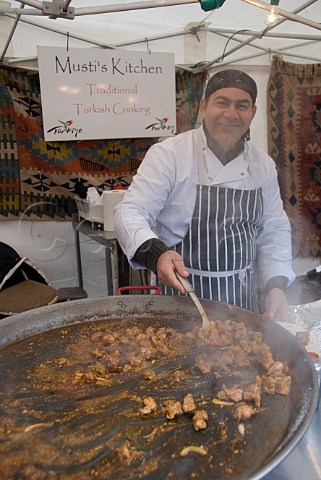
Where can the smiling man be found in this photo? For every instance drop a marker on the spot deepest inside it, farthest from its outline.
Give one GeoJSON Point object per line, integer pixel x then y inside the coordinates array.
{"type": "Point", "coordinates": [207, 204]}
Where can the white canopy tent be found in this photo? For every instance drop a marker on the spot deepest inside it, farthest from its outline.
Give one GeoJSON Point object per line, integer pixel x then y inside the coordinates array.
{"type": "Point", "coordinates": [235, 32]}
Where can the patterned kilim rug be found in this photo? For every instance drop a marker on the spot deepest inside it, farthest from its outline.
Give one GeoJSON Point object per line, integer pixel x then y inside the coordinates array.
{"type": "Point", "coordinates": [38, 178]}
{"type": "Point", "coordinates": [294, 127]}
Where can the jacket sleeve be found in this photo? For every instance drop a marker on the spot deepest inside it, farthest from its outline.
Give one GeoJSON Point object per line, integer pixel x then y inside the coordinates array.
{"type": "Point", "coordinates": [135, 217]}
{"type": "Point", "coordinates": [274, 243]}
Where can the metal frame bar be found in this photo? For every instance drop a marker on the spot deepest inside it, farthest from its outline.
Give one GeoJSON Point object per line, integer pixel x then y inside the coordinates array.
{"type": "Point", "coordinates": [33, 3]}
{"type": "Point", "coordinates": [282, 51]}
{"type": "Point", "coordinates": [221, 32]}
{"type": "Point", "coordinates": [20, 11]}
{"type": "Point", "coordinates": [131, 6]}
{"type": "Point", "coordinates": [285, 13]}
{"type": "Point", "coordinates": [152, 4]}
{"type": "Point", "coordinates": [60, 32]}
{"type": "Point", "coordinates": [290, 36]}
{"type": "Point", "coordinates": [97, 10]}
{"type": "Point", "coordinates": [268, 51]}
{"type": "Point", "coordinates": [38, 5]}
{"type": "Point", "coordinates": [66, 4]}
{"type": "Point", "coordinates": [13, 28]}
{"type": "Point", "coordinates": [249, 40]}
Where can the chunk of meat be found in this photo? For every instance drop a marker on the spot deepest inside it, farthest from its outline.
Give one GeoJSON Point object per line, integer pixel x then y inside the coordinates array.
{"type": "Point", "coordinates": [179, 375]}
{"type": "Point", "coordinates": [203, 363]}
{"type": "Point", "coordinates": [253, 392]}
{"type": "Point", "coordinates": [172, 408]}
{"type": "Point", "coordinates": [150, 406]}
{"type": "Point", "coordinates": [189, 404]}
{"type": "Point", "coordinates": [149, 374]}
{"type": "Point", "coordinates": [199, 420]}
{"type": "Point", "coordinates": [243, 412]}
{"type": "Point", "coordinates": [275, 381]}
{"type": "Point", "coordinates": [263, 354]}
{"type": "Point", "coordinates": [268, 385]}
{"type": "Point", "coordinates": [275, 369]}
{"type": "Point", "coordinates": [233, 393]}
{"type": "Point", "coordinates": [283, 385]}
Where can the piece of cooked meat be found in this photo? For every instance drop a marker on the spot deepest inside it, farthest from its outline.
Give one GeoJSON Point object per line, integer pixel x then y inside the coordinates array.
{"type": "Point", "coordinates": [253, 392]}
{"type": "Point", "coordinates": [179, 375]}
{"type": "Point", "coordinates": [199, 420]}
{"type": "Point", "coordinates": [283, 385]}
{"type": "Point", "coordinates": [243, 412]}
{"type": "Point", "coordinates": [276, 369]}
{"type": "Point", "coordinates": [172, 408]}
{"type": "Point", "coordinates": [149, 374]}
{"type": "Point", "coordinates": [150, 406]}
{"type": "Point", "coordinates": [233, 393]}
{"type": "Point", "coordinates": [189, 404]}
{"type": "Point", "coordinates": [203, 363]}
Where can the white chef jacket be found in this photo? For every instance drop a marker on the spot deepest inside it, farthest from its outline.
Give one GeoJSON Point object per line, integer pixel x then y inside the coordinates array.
{"type": "Point", "coordinates": [161, 198]}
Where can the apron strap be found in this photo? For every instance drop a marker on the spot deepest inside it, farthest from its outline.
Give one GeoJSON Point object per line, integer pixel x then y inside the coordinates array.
{"type": "Point", "coordinates": [241, 273]}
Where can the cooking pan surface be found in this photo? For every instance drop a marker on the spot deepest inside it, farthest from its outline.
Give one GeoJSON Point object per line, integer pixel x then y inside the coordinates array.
{"type": "Point", "coordinates": [63, 418]}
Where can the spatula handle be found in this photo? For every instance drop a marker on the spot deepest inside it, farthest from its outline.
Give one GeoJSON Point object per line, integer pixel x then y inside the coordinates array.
{"type": "Point", "coordinates": [186, 285]}
{"type": "Point", "coordinates": [189, 289]}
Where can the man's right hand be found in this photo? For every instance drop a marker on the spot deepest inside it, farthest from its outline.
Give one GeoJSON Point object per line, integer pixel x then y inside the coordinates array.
{"type": "Point", "coordinates": [167, 263]}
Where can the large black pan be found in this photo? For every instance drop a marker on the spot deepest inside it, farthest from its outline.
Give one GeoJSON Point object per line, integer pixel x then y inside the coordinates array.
{"type": "Point", "coordinates": [93, 433]}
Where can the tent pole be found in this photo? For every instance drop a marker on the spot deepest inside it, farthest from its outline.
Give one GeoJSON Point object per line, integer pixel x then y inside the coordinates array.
{"type": "Point", "coordinates": [251, 39]}
{"type": "Point", "coordinates": [130, 6]}
{"type": "Point", "coordinates": [266, 51]}
{"type": "Point", "coordinates": [101, 44]}
{"type": "Point", "coordinates": [20, 11]}
{"type": "Point", "coordinates": [286, 14]}
{"type": "Point", "coordinates": [276, 52]}
{"type": "Point", "coordinates": [14, 26]}
{"type": "Point", "coordinates": [168, 35]}
{"type": "Point", "coordinates": [267, 34]}
{"type": "Point", "coordinates": [33, 3]}
{"type": "Point", "coordinates": [66, 4]}
{"type": "Point", "coordinates": [103, 9]}
{"type": "Point", "coordinates": [56, 30]}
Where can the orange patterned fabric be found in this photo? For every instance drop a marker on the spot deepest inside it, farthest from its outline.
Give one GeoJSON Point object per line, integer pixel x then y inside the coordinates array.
{"type": "Point", "coordinates": [294, 129]}
{"type": "Point", "coordinates": [38, 178]}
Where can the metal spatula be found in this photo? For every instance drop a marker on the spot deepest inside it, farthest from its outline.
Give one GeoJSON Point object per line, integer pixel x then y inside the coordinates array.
{"type": "Point", "coordinates": [189, 289]}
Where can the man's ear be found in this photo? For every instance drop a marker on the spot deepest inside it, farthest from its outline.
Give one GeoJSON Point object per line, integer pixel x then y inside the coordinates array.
{"type": "Point", "coordinates": [202, 105]}
{"type": "Point", "coordinates": [254, 111]}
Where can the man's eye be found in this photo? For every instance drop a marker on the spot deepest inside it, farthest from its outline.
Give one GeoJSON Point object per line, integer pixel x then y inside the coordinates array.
{"type": "Point", "coordinates": [244, 108]}
{"type": "Point", "coordinates": [221, 104]}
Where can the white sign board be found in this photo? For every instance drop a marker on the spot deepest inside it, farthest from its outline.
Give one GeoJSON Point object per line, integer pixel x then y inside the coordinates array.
{"type": "Point", "coordinates": [91, 93]}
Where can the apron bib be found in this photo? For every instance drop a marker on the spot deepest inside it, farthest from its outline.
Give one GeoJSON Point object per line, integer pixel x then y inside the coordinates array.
{"type": "Point", "coordinates": [219, 247]}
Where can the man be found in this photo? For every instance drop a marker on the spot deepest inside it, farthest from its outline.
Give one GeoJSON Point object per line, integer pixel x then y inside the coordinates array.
{"type": "Point", "coordinates": [207, 204]}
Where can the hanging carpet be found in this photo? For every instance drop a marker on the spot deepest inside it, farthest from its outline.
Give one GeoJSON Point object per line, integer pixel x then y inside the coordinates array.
{"type": "Point", "coordinates": [38, 179]}
{"type": "Point", "coordinates": [294, 142]}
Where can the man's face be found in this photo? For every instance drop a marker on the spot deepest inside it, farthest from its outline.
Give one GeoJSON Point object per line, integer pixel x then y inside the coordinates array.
{"type": "Point", "coordinates": [228, 114]}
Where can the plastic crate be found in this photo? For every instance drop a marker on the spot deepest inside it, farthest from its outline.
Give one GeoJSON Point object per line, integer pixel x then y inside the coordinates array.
{"type": "Point", "coordinates": [92, 213]}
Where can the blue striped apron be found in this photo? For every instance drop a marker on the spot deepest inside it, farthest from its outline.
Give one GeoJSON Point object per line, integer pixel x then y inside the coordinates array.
{"type": "Point", "coordinates": [219, 247]}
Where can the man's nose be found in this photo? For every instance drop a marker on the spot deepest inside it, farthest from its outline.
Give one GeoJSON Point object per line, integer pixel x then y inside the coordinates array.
{"type": "Point", "coordinates": [231, 112]}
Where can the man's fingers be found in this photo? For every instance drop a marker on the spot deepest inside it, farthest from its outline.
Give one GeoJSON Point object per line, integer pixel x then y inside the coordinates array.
{"type": "Point", "coordinates": [167, 263]}
{"type": "Point", "coordinates": [180, 267]}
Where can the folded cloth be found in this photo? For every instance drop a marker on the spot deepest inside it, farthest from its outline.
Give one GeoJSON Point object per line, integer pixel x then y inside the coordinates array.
{"type": "Point", "coordinates": [26, 296]}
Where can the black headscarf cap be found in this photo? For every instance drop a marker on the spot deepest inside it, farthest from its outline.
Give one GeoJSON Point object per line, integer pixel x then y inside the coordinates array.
{"type": "Point", "coordinates": [231, 79]}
